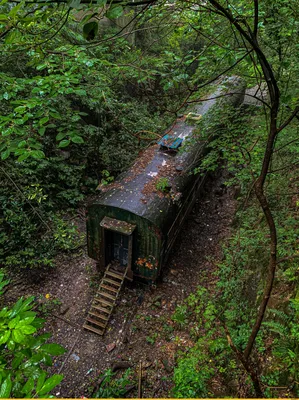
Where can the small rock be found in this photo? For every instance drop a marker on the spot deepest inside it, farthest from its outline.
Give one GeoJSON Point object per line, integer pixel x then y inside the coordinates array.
{"type": "Point", "coordinates": [110, 347]}
{"type": "Point", "coordinates": [121, 365]}
{"type": "Point", "coordinates": [63, 309]}
{"type": "Point", "coordinates": [174, 272]}
{"type": "Point", "coordinates": [75, 357]}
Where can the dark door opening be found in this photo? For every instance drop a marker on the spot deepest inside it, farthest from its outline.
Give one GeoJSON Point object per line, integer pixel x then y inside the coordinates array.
{"type": "Point", "coordinates": [117, 244]}
{"type": "Point", "coordinates": [118, 248]}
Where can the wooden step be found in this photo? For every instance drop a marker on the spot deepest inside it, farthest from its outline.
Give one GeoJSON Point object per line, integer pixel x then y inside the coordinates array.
{"type": "Point", "coordinates": [109, 288]}
{"type": "Point", "coordinates": [101, 308]}
{"type": "Point", "coordinates": [116, 283]}
{"type": "Point", "coordinates": [114, 275]}
{"type": "Point", "coordinates": [106, 295]}
{"type": "Point", "coordinates": [104, 301]}
{"type": "Point", "coordinates": [103, 317]}
{"type": "Point", "coordinates": [93, 329]}
{"type": "Point", "coordinates": [95, 322]}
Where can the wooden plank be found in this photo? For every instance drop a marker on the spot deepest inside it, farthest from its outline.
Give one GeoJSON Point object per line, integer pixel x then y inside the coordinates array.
{"type": "Point", "coordinates": [101, 293]}
{"type": "Point", "coordinates": [109, 288]}
{"type": "Point", "coordinates": [95, 322]}
{"type": "Point", "coordinates": [129, 273]}
{"type": "Point", "coordinates": [118, 276]}
{"type": "Point", "coordinates": [91, 328]}
{"type": "Point", "coordinates": [102, 257]}
{"type": "Point", "coordinates": [116, 283]}
{"type": "Point", "coordinates": [117, 225]}
{"type": "Point", "coordinates": [102, 309]}
{"type": "Point", "coordinates": [104, 301]}
{"type": "Point", "coordinates": [103, 317]}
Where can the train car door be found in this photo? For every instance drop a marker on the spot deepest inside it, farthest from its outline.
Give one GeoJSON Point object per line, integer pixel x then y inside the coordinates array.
{"type": "Point", "coordinates": [117, 243]}
{"type": "Point", "coordinates": [119, 248]}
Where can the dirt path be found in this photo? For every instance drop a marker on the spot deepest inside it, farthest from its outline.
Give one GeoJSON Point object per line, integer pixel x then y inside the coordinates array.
{"type": "Point", "coordinates": [141, 328]}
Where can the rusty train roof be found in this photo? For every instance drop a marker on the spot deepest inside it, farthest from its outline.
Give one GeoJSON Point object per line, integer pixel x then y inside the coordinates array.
{"type": "Point", "coordinates": [136, 191]}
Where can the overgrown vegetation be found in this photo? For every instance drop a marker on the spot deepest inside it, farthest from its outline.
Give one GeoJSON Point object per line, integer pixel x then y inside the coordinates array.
{"type": "Point", "coordinates": [114, 387]}
{"type": "Point", "coordinates": [24, 355]}
{"type": "Point", "coordinates": [70, 118]}
{"type": "Point", "coordinates": [224, 316]}
{"type": "Point", "coordinates": [77, 106]}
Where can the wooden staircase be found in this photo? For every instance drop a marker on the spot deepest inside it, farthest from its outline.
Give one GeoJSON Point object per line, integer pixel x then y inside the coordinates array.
{"type": "Point", "coordinates": [104, 301]}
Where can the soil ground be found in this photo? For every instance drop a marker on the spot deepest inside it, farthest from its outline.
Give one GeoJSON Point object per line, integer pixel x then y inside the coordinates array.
{"type": "Point", "coordinates": [141, 328]}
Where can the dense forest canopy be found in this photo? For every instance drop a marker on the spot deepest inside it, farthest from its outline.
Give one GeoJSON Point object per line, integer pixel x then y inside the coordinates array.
{"type": "Point", "coordinates": [85, 86]}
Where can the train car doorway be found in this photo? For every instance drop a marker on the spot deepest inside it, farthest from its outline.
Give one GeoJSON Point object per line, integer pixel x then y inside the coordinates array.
{"type": "Point", "coordinates": [117, 248]}
{"type": "Point", "coordinates": [117, 243]}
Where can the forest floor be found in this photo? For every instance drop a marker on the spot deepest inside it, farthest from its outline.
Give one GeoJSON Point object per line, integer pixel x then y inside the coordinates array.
{"type": "Point", "coordinates": [141, 328]}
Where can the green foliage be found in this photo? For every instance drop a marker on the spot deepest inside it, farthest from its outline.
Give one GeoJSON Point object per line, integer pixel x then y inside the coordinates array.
{"type": "Point", "coordinates": [180, 316]}
{"type": "Point", "coordinates": [74, 105]}
{"type": "Point", "coordinates": [163, 185]}
{"type": "Point", "coordinates": [283, 326]}
{"type": "Point", "coordinates": [152, 339]}
{"type": "Point", "coordinates": [112, 387]}
{"type": "Point", "coordinates": [30, 233]}
{"type": "Point", "coordinates": [24, 354]}
{"type": "Point", "coordinates": [191, 377]}
{"type": "Point", "coordinates": [242, 269]}
{"type": "Point", "coordinates": [211, 354]}
{"type": "Point", "coordinates": [64, 126]}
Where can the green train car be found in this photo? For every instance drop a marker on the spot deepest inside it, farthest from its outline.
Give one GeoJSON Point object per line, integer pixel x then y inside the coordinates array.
{"type": "Point", "coordinates": [135, 220]}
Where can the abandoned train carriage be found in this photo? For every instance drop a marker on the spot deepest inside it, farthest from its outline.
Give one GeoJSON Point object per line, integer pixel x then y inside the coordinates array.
{"type": "Point", "coordinates": [136, 219]}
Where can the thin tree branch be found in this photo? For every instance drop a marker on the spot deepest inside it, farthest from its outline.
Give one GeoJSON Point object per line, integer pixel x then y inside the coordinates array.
{"type": "Point", "coordinates": [256, 17]}
{"type": "Point", "coordinates": [291, 117]}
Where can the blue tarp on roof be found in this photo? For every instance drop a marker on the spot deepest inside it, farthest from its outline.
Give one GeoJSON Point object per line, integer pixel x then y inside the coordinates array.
{"type": "Point", "coordinates": [170, 142]}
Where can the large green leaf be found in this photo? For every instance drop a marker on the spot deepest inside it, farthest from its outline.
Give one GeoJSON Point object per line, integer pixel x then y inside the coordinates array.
{"type": "Point", "coordinates": [37, 341]}
{"type": "Point", "coordinates": [18, 336]}
{"type": "Point", "coordinates": [26, 321]}
{"type": "Point", "coordinates": [33, 371]}
{"type": "Point", "coordinates": [19, 357]}
{"type": "Point", "coordinates": [13, 323]}
{"type": "Point", "coordinates": [64, 143]}
{"type": "Point", "coordinates": [61, 135]}
{"type": "Point", "coordinates": [53, 349]}
{"type": "Point", "coordinates": [5, 154]}
{"type": "Point", "coordinates": [28, 329]}
{"type": "Point", "coordinates": [50, 384]}
{"type": "Point", "coordinates": [20, 109]}
{"type": "Point", "coordinates": [4, 337]}
{"type": "Point", "coordinates": [28, 387]}
{"type": "Point", "coordinates": [37, 154]}
{"type": "Point", "coordinates": [43, 120]}
{"type": "Point", "coordinates": [13, 37]}
{"type": "Point", "coordinates": [16, 308]}
{"type": "Point", "coordinates": [40, 381]}
{"type": "Point", "coordinates": [5, 388]}
{"type": "Point", "coordinates": [114, 12]}
{"type": "Point", "coordinates": [77, 139]}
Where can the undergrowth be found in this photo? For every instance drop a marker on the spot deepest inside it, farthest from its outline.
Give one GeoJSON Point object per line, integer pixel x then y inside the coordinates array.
{"type": "Point", "coordinates": [231, 307]}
